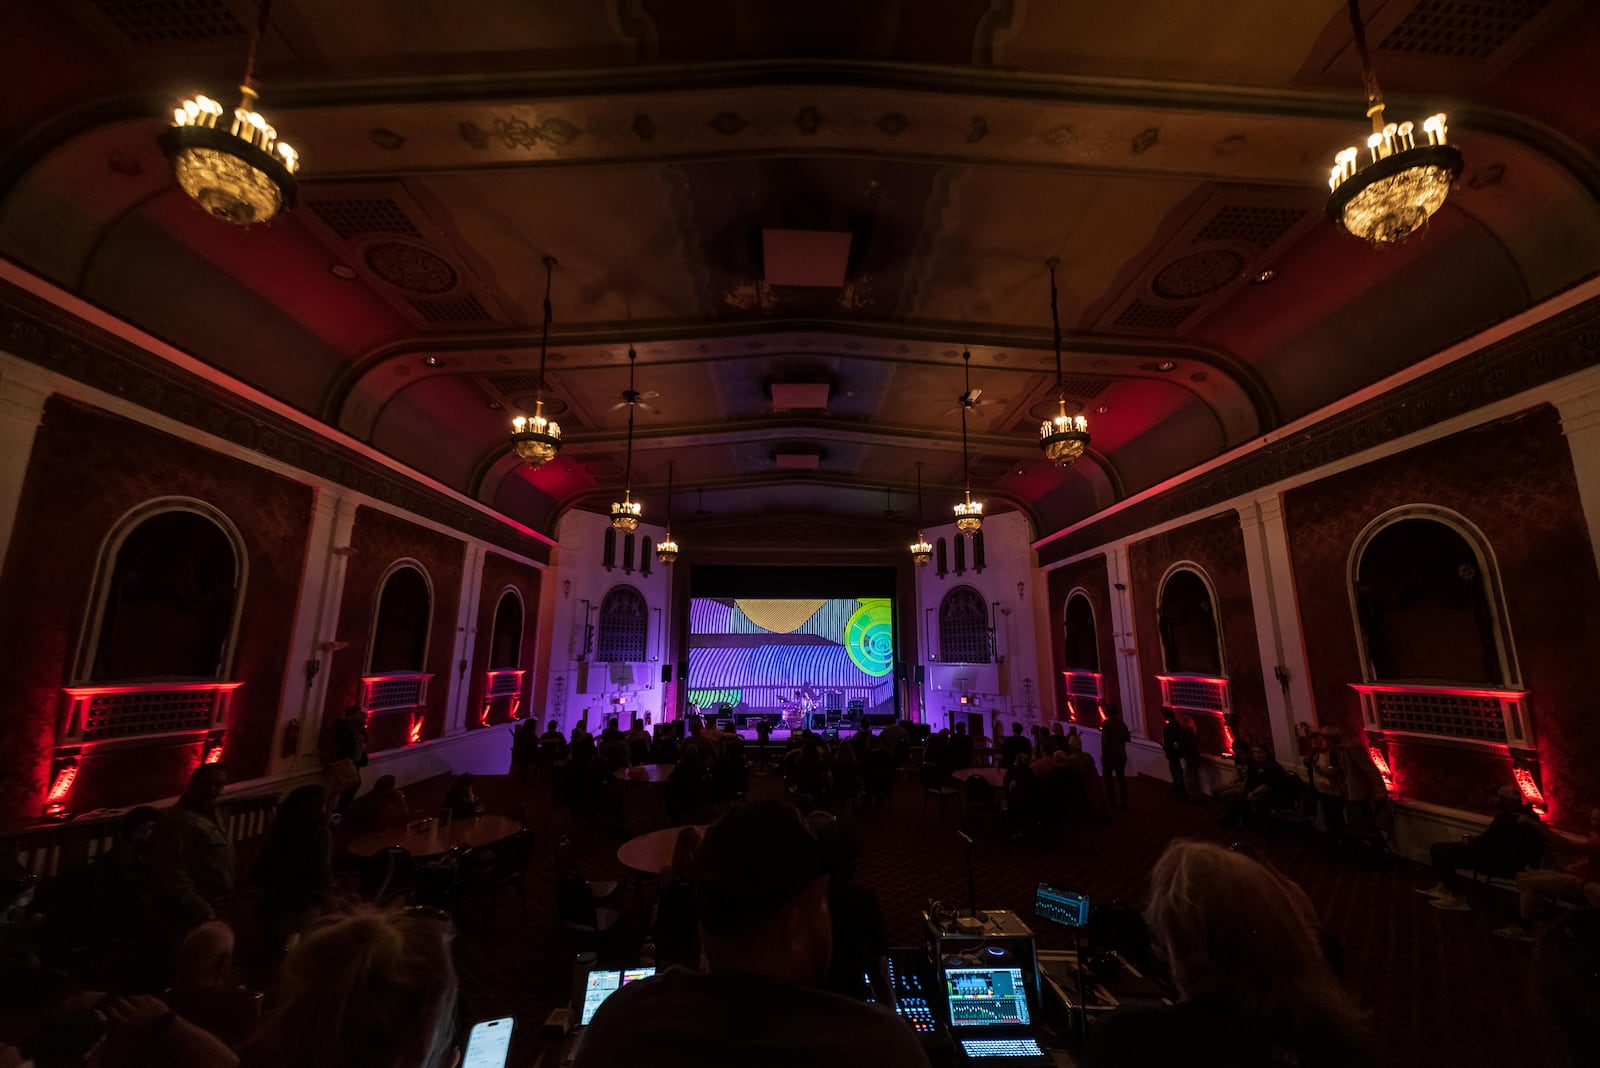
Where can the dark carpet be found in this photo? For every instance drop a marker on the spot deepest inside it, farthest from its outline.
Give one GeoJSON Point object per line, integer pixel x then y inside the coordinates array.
{"type": "Point", "coordinates": [1439, 986]}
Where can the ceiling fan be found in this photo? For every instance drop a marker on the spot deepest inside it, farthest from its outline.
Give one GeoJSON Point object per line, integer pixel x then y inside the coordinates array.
{"type": "Point", "coordinates": [632, 397]}
{"type": "Point", "coordinates": [971, 399]}
{"type": "Point", "coordinates": [889, 510]}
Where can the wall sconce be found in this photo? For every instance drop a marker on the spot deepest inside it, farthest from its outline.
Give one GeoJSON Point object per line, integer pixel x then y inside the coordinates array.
{"type": "Point", "coordinates": [1020, 588]}
{"type": "Point", "coordinates": [566, 589]}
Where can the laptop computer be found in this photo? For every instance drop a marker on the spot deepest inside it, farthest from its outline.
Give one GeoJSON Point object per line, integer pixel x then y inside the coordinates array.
{"type": "Point", "coordinates": [990, 1018]}
{"type": "Point", "coordinates": [599, 985]}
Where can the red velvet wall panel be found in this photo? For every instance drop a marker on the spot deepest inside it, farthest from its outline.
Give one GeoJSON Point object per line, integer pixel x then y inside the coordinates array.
{"type": "Point", "coordinates": [1091, 574]}
{"type": "Point", "coordinates": [1217, 545]}
{"type": "Point", "coordinates": [377, 541]}
{"type": "Point", "coordinates": [498, 573]}
{"type": "Point", "coordinates": [1514, 481]}
{"type": "Point", "coordinates": [88, 469]}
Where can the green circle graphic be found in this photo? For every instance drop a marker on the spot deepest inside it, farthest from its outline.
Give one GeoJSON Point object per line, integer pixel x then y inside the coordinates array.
{"type": "Point", "coordinates": [869, 637]}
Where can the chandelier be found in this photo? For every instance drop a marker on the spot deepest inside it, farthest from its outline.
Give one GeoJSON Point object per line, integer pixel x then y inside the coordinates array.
{"type": "Point", "coordinates": [921, 551]}
{"type": "Point", "coordinates": [537, 440]}
{"type": "Point", "coordinates": [233, 166]}
{"type": "Point", "coordinates": [666, 548]}
{"type": "Point", "coordinates": [969, 513]}
{"type": "Point", "coordinates": [625, 513]}
{"type": "Point", "coordinates": [1063, 438]}
{"type": "Point", "coordinates": [1394, 191]}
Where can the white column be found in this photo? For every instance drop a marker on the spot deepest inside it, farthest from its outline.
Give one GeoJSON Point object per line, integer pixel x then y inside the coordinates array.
{"type": "Point", "coordinates": [23, 392]}
{"type": "Point", "coordinates": [456, 710]}
{"type": "Point", "coordinates": [317, 620]}
{"type": "Point", "coordinates": [1580, 422]}
{"type": "Point", "coordinates": [1277, 618]}
{"type": "Point", "coordinates": [1122, 640]}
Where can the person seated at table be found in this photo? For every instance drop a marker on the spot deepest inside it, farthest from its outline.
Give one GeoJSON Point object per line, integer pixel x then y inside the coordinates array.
{"type": "Point", "coordinates": [1514, 840]}
{"type": "Point", "coordinates": [961, 747]}
{"type": "Point", "coordinates": [766, 940]}
{"type": "Point", "coordinates": [295, 870]}
{"type": "Point", "coordinates": [365, 987]}
{"type": "Point", "coordinates": [1254, 988]}
{"type": "Point", "coordinates": [461, 800]}
{"type": "Point", "coordinates": [205, 991]}
{"type": "Point", "coordinates": [613, 750]}
{"type": "Point", "coordinates": [1265, 786]}
{"type": "Point", "coordinates": [677, 927]}
{"type": "Point", "coordinates": [638, 740]}
{"type": "Point", "coordinates": [1538, 891]}
{"type": "Point", "coordinates": [582, 742]}
{"type": "Point", "coordinates": [860, 939]}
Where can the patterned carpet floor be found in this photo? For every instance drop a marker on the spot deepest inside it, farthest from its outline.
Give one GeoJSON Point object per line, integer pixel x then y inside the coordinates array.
{"type": "Point", "coordinates": [1439, 986]}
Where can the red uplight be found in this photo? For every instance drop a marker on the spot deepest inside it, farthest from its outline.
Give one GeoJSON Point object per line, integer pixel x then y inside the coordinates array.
{"type": "Point", "coordinates": [213, 755]}
{"type": "Point", "coordinates": [1383, 766]}
{"type": "Point", "coordinates": [416, 730]}
{"type": "Point", "coordinates": [1530, 789]}
{"type": "Point", "coordinates": [55, 802]}
{"type": "Point", "coordinates": [1227, 739]}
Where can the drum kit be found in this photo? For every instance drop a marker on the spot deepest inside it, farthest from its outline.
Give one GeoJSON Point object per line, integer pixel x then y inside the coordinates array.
{"type": "Point", "coordinates": [797, 713]}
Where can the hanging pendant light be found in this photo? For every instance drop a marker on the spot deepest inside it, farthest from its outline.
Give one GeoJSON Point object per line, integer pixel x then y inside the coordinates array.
{"type": "Point", "coordinates": [625, 513]}
{"type": "Point", "coordinates": [666, 548]}
{"type": "Point", "coordinates": [921, 551]}
{"type": "Point", "coordinates": [1395, 191]}
{"type": "Point", "coordinates": [233, 166]}
{"type": "Point", "coordinates": [1063, 438]}
{"type": "Point", "coordinates": [969, 513]}
{"type": "Point", "coordinates": [537, 440]}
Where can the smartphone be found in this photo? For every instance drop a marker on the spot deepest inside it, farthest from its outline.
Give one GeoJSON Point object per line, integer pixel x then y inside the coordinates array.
{"type": "Point", "coordinates": [488, 1044]}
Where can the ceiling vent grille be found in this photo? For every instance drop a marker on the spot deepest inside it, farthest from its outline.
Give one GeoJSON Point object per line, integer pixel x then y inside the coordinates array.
{"type": "Point", "coordinates": [351, 217]}
{"type": "Point", "coordinates": [466, 309]}
{"type": "Point", "coordinates": [156, 22]}
{"type": "Point", "coordinates": [1460, 29]}
{"type": "Point", "coordinates": [1250, 224]}
{"type": "Point", "coordinates": [1083, 386]}
{"type": "Point", "coordinates": [514, 385]}
{"type": "Point", "coordinates": [1141, 316]}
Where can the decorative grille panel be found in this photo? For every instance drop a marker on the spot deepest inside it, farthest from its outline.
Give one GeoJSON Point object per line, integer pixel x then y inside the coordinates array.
{"type": "Point", "coordinates": [104, 713]}
{"type": "Point", "coordinates": [466, 309]}
{"type": "Point", "coordinates": [1194, 693]}
{"type": "Point", "coordinates": [1448, 715]}
{"type": "Point", "coordinates": [389, 693]}
{"type": "Point", "coordinates": [1083, 684]}
{"type": "Point", "coordinates": [1460, 29]}
{"type": "Point", "coordinates": [1084, 386]}
{"type": "Point", "coordinates": [963, 624]}
{"type": "Point", "coordinates": [169, 21]}
{"type": "Point", "coordinates": [353, 216]}
{"type": "Point", "coordinates": [504, 683]}
{"type": "Point", "coordinates": [1260, 225]}
{"type": "Point", "coordinates": [1142, 316]}
{"type": "Point", "coordinates": [623, 621]}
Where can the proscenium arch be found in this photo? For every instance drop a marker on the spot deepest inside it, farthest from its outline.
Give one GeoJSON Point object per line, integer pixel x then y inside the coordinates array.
{"type": "Point", "coordinates": [1080, 593]}
{"type": "Point", "coordinates": [377, 606]}
{"type": "Point", "coordinates": [508, 590]}
{"type": "Point", "coordinates": [106, 563]}
{"type": "Point", "coordinates": [1488, 569]}
{"type": "Point", "coordinates": [1216, 620]}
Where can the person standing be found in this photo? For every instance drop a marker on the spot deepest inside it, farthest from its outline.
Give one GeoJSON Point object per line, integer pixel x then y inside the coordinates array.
{"type": "Point", "coordinates": [1114, 739]}
{"type": "Point", "coordinates": [1172, 745]}
{"type": "Point", "coordinates": [349, 742]}
{"type": "Point", "coordinates": [192, 871]}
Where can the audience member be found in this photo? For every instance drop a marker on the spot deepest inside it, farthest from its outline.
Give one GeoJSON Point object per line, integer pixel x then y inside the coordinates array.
{"type": "Point", "coordinates": [961, 747]}
{"type": "Point", "coordinates": [766, 939]}
{"type": "Point", "coordinates": [461, 799]}
{"type": "Point", "coordinates": [1538, 890]}
{"type": "Point", "coordinates": [1326, 767]}
{"type": "Point", "coordinates": [860, 939]}
{"type": "Point", "coordinates": [1265, 785]}
{"type": "Point", "coordinates": [1172, 744]}
{"type": "Point", "coordinates": [348, 742]}
{"type": "Point", "coordinates": [1254, 988]}
{"type": "Point", "coordinates": [677, 932]}
{"type": "Point", "coordinates": [367, 988]}
{"type": "Point", "coordinates": [1190, 747]}
{"type": "Point", "coordinates": [204, 989]}
{"type": "Point", "coordinates": [192, 868]}
{"type": "Point", "coordinates": [382, 807]}
{"type": "Point", "coordinates": [1114, 739]}
{"type": "Point", "coordinates": [1016, 745]}
{"type": "Point", "coordinates": [295, 872]}
{"type": "Point", "coordinates": [896, 742]}
{"type": "Point", "coordinates": [1514, 840]}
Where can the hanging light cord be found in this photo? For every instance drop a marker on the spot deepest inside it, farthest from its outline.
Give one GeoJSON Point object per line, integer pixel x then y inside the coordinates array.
{"type": "Point", "coordinates": [1368, 78]}
{"type": "Point", "coordinates": [627, 470]}
{"type": "Point", "coordinates": [544, 335]}
{"type": "Point", "coordinates": [669, 498]}
{"type": "Point", "coordinates": [919, 494]}
{"type": "Point", "coordinates": [1055, 322]}
{"type": "Point", "coordinates": [966, 466]}
{"type": "Point", "coordinates": [255, 43]}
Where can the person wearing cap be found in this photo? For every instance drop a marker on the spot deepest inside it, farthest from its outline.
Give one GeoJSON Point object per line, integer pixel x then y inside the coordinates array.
{"type": "Point", "coordinates": [1514, 840]}
{"type": "Point", "coordinates": [762, 892]}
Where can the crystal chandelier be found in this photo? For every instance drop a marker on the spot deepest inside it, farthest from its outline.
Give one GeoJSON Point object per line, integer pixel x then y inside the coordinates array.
{"type": "Point", "coordinates": [233, 166]}
{"type": "Point", "coordinates": [969, 513]}
{"type": "Point", "coordinates": [1394, 191]}
{"type": "Point", "coordinates": [1063, 438]}
{"type": "Point", "coordinates": [666, 548]}
{"type": "Point", "coordinates": [921, 551]}
{"type": "Point", "coordinates": [537, 440]}
{"type": "Point", "coordinates": [625, 513]}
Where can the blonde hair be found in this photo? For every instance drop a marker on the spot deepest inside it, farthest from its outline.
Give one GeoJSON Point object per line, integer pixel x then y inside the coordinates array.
{"type": "Point", "coordinates": [1231, 930]}
{"type": "Point", "coordinates": [365, 986]}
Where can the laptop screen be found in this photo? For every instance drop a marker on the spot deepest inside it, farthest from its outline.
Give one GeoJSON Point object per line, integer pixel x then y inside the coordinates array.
{"type": "Point", "coordinates": [602, 984]}
{"type": "Point", "coordinates": [986, 997]}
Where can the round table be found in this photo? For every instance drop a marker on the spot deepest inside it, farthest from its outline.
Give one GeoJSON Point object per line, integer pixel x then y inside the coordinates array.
{"type": "Point", "coordinates": [656, 773]}
{"type": "Point", "coordinates": [995, 777]}
{"type": "Point", "coordinates": [438, 838]}
{"type": "Point", "coordinates": [651, 852]}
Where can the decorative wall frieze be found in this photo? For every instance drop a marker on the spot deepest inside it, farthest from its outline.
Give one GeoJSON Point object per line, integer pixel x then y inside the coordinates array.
{"type": "Point", "coordinates": [37, 331]}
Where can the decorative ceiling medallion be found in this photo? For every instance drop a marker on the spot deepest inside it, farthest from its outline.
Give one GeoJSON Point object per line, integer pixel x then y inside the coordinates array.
{"type": "Point", "coordinates": [893, 124]}
{"type": "Point", "coordinates": [1197, 274]}
{"type": "Point", "coordinates": [408, 267]}
{"type": "Point", "coordinates": [728, 124]}
{"type": "Point", "coordinates": [519, 133]}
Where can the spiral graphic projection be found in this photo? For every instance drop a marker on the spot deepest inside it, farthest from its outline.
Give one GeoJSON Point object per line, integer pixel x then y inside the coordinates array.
{"type": "Point", "coordinates": [869, 637]}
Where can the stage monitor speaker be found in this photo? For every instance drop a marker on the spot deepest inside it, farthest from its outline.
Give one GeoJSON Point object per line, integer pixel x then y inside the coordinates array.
{"type": "Point", "coordinates": [918, 675]}
{"type": "Point", "coordinates": [666, 672]}
{"type": "Point", "coordinates": [583, 677]}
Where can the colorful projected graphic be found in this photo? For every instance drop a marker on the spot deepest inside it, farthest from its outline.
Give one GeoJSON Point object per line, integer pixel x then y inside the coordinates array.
{"type": "Point", "coordinates": [795, 659]}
